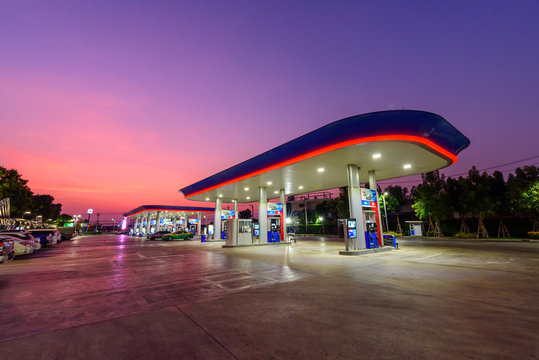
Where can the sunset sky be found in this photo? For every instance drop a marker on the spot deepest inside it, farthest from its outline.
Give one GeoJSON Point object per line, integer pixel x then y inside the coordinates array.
{"type": "Point", "coordinates": [114, 104]}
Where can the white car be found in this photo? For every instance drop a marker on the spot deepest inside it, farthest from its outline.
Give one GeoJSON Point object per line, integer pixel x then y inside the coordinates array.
{"type": "Point", "coordinates": [21, 246]}
{"type": "Point", "coordinates": [24, 235]}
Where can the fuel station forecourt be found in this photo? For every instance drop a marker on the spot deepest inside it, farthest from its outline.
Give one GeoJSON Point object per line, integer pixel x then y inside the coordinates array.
{"type": "Point", "coordinates": [149, 219]}
{"type": "Point", "coordinates": [359, 149]}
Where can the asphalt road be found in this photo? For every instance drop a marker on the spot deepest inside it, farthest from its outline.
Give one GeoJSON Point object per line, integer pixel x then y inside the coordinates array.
{"type": "Point", "coordinates": [116, 297]}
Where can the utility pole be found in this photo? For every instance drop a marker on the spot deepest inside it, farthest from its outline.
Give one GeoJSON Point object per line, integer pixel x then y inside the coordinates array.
{"type": "Point", "coordinates": [97, 224]}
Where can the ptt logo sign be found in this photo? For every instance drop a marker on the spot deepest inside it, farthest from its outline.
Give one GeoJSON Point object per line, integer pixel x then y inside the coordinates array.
{"type": "Point", "coordinates": [368, 197]}
{"type": "Point", "coordinates": [275, 209]}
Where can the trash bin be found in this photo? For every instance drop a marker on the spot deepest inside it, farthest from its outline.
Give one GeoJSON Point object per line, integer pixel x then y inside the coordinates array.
{"type": "Point", "coordinates": [203, 238]}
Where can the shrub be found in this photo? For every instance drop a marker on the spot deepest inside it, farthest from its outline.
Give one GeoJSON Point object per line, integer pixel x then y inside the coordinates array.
{"type": "Point", "coordinates": [533, 234]}
{"type": "Point", "coordinates": [464, 235]}
{"type": "Point", "coordinates": [429, 233]}
{"type": "Point", "coordinates": [90, 233]}
{"type": "Point", "coordinates": [396, 234]}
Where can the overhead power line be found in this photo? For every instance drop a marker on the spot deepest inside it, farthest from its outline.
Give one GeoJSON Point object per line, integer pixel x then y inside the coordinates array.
{"type": "Point", "coordinates": [464, 173]}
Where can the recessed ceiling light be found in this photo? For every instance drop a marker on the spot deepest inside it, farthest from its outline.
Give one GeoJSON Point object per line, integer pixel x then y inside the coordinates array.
{"type": "Point", "coordinates": [269, 183]}
{"type": "Point", "coordinates": [300, 187]}
{"type": "Point", "coordinates": [220, 195]}
{"type": "Point", "coordinates": [207, 199]}
{"type": "Point", "coordinates": [321, 170]}
{"type": "Point", "coordinates": [276, 192]}
{"type": "Point", "coordinates": [246, 189]}
{"type": "Point", "coordinates": [248, 197]}
{"type": "Point", "coordinates": [407, 166]}
{"type": "Point", "coordinates": [376, 156]}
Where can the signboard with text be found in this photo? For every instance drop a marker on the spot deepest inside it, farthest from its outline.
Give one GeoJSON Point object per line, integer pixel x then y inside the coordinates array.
{"type": "Point", "coordinates": [275, 208]}
{"type": "Point", "coordinates": [227, 214]}
{"type": "Point", "coordinates": [368, 198]}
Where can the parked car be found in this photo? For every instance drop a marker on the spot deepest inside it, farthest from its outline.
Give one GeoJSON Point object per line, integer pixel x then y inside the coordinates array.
{"type": "Point", "coordinates": [47, 236]}
{"type": "Point", "coordinates": [178, 235]}
{"type": "Point", "coordinates": [67, 233]}
{"type": "Point", "coordinates": [24, 235]}
{"type": "Point", "coordinates": [158, 235]}
{"type": "Point", "coordinates": [7, 248]}
{"type": "Point", "coordinates": [20, 246]}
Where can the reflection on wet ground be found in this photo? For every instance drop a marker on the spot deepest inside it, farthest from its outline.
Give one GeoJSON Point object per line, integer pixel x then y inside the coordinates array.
{"type": "Point", "coordinates": [91, 279]}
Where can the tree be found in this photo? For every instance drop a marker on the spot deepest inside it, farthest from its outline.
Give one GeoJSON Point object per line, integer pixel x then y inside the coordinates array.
{"type": "Point", "coordinates": [333, 209]}
{"type": "Point", "coordinates": [530, 201]}
{"type": "Point", "coordinates": [63, 219]}
{"type": "Point", "coordinates": [396, 198]}
{"type": "Point", "coordinates": [14, 187]}
{"type": "Point", "coordinates": [500, 201]}
{"type": "Point", "coordinates": [43, 205]}
{"type": "Point", "coordinates": [430, 199]}
{"type": "Point", "coordinates": [245, 214]}
{"type": "Point", "coordinates": [519, 184]}
{"type": "Point", "coordinates": [456, 200]}
{"type": "Point", "coordinates": [479, 200]}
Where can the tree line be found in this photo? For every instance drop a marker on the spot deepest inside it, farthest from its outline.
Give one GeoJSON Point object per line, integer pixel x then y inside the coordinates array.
{"type": "Point", "coordinates": [23, 200]}
{"type": "Point", "coordinates": [451, 205]}
{"type": "Point", "coordinates": [478, 196]}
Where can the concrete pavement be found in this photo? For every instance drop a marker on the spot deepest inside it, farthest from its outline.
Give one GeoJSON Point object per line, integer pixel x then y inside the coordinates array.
{"type": "Point", "coordinates": [117, 297]}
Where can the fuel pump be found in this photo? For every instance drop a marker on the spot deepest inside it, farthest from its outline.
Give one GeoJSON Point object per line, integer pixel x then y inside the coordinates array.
{"type": "Point", "coordinates": [371, 216]}
{"type": "Point", "coordinates": [275, 222]}
{"type": "Point", "coordinates": [192, 226]}
{"type": "Point", "coordinates": [371, 233]}
{"type": "Point", "coordinates": [274, 235]}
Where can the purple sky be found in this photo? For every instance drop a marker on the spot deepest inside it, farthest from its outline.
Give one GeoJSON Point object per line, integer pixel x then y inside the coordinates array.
{"type": "Point", "coordinates": [114, 104]}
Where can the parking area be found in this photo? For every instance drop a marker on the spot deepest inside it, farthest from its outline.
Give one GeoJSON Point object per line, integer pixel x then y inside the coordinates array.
{"type": "Point", "coordinates": [114, 296]}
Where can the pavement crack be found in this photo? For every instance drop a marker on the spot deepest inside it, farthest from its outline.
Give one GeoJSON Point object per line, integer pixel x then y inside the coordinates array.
{"type": "Point", "coordinates": [207, 332]}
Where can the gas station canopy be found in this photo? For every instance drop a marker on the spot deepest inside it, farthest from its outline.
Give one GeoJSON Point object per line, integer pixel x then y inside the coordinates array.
{"type": "Point", "coordinates": [392, 143]}
{"type": "Point", "coordinates": [168, 208]}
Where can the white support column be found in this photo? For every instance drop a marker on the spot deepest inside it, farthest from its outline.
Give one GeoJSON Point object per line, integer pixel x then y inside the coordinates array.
{"type": "Point", "coordinates": [158, 221]}
{"type": "Point", "coordinates": [148, 222]}
{"type": "Point", "coordinates": [236, 227]}
{"type": "Point", "coordinates": [217, 219]}
{"type": "Point", "coordinates": [372, 186]}
{"type": "Point", "coordinates": [354, 201]}
{"type": "Point", "coordinates": [199, 224]}
{"type": "Point", "coordinates": [283, 201]}
{"type": "Point", "coordinates": [263, 214]}
{"type": "Point", "coordinates": [138, 224]}
{"type": "Point", "coordinates": [372, 180]}
{"type": "Point", "coordinates": [174, 223]}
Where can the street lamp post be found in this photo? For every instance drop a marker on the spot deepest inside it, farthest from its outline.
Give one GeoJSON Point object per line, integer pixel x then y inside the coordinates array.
{"type": "Point", "coordinates": [76, 219]}
{"type": "Point", "coordinates": [385, 209]}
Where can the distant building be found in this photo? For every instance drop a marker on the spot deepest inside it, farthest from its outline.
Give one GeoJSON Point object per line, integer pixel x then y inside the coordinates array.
{"type": "Point", "coordinates": [296, 204]}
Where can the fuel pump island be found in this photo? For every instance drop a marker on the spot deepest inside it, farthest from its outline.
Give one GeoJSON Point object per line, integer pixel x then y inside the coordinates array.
{"type": "Point", "coordinates": [345, 153]}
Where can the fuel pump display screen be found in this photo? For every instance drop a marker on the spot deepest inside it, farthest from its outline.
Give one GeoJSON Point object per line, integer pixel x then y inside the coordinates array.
{"type": "Point", "coordinates": [351, 228]}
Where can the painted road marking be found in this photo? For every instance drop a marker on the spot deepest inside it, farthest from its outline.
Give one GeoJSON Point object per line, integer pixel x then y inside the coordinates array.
{"type": "Point", "coordinates": [424, 257]}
